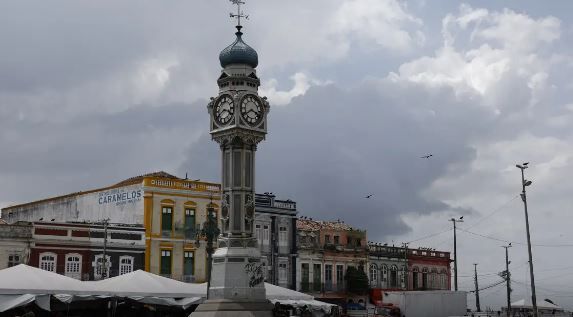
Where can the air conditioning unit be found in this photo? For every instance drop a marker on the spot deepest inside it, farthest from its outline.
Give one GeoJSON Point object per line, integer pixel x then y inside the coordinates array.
{"type": "Point", "coordinates": [188, 278]}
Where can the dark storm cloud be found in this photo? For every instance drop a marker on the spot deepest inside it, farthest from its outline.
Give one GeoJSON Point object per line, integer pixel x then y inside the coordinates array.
{"type": "Point", "coordinates": [332, 147]}
{"type": "Point", "coordinates": [43, 159]}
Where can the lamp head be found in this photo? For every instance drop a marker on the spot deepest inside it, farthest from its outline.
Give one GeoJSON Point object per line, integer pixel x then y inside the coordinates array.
{"type": "Point", "coordinates": [519, 166]}
{"type": "Point", "coordinates": [527, 183]}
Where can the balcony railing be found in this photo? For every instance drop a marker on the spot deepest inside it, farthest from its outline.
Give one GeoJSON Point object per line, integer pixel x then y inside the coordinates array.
{"type": "Point", "coordinates": [327, 287]}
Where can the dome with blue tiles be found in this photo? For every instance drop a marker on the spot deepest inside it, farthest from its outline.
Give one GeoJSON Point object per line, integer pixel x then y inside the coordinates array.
{"type": "Point", "coordinates": [239, 53]}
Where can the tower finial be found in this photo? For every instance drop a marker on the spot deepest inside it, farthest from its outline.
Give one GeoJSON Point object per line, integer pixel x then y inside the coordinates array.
{"type": "Point", "coordinates": [240, 14]}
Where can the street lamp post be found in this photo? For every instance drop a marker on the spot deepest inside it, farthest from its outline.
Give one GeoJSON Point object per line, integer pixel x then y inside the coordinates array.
{"type": "Point", "coordinates": [454, 221]}
{"type": "Point", "coordinates": [210, 231]}
{"type": "Point", "coordinates": [525, 183]}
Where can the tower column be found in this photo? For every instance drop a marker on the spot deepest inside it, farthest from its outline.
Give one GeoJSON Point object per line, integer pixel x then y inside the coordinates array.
{"type": "Point", "coordinates": [238, 123]}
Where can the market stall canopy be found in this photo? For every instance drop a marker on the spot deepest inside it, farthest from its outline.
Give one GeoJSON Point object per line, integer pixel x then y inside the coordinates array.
{"type": "Point", "coordinates": [526, 303]}
{"type": "Point", "coordinates": [141, 283]}
{"type": "Point", "coordinates": [24, 279]}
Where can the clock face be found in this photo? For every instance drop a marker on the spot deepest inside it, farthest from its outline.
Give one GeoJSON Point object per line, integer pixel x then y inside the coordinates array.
{"type": "Point", "coordinates": [251, 109]}
{"type": "Point", "coordinates": [224, 110]}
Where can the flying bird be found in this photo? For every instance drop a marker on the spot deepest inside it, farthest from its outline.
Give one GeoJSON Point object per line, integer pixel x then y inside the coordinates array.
{"type": "Point", "coordinates": [368, 196]}
{"type": "Point", "coordinates": [427, 156]}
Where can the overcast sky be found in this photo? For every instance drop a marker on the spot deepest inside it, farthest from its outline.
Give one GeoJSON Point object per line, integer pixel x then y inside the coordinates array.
{"type": "Point", "coordinates": [95, 92]}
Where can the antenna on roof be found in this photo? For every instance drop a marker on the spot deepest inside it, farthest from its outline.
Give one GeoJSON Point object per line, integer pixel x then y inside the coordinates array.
{"type": "Point", "coordinates": [186, 175]}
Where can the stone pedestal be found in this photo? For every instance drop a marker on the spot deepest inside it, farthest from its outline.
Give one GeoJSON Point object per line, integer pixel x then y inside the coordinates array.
{"type": "Point", "coordinates": [237, 282]}
{"type": "Point", "coordinates": [234, 308]}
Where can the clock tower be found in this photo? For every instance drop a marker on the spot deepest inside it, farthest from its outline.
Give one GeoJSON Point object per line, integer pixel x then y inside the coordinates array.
{"type": "Point", "coordinates": [238, 122]}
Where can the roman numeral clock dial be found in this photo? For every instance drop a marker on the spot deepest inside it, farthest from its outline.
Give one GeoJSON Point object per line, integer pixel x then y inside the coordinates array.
{"type": "Point", "coordinates": [251, 110]}
{"type": "Point", "coordinates": [224, 110]}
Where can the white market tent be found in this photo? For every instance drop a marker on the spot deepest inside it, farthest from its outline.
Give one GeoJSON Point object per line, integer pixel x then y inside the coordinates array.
{"type": "Point", "coordinates": [526, 304]}
{"type": "Point", "coordinates": [141, 283]}
{"type": "Point", "coordinates": [22, 284]}
{"type": "Point", "coordinates": [24, 279]}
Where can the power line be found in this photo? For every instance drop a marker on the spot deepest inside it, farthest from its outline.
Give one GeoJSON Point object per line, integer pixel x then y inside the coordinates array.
{"type": "Point", "coordinates": [430, 235]}
{"type": "Point", "coordinates": [514, 242]}
{"type": "Point", "coordinates": [493, 212]}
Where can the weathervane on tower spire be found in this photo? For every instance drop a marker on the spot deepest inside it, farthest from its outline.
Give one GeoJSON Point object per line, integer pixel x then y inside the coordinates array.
{"type": "Point", "coordinates": [240, 14]}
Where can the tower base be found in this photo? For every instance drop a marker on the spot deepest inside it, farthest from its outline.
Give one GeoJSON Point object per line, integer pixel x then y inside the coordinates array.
{"type": "Point", "coordinates": [234, 308]}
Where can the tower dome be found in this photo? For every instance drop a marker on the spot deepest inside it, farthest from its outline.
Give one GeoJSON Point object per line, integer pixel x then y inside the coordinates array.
{"type": "Point", "coordinates": [239, 53]}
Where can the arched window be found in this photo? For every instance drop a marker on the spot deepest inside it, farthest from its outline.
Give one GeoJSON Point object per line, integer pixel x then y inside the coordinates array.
{"type": "Point", "coordinates": [48, 261]}
{"type": "Point", "coordinates": [415, 283]}
{"type": "Point", "coordinates": [74, 266]}
{"type": "Point", "coordinates": [434, 279]}
{"type": "Point", "coordinates": [373, 275]}
{"type": "Point", "coordinates": [444, 279]}
{"type": "Point", "coordinates": [425, 278]}
{"type": "Point", "coordinates": [393, 276]}
{"type": "Point", "coordinates": [125, 264]}
{"type": "Point", "coordinates": [384, 276]}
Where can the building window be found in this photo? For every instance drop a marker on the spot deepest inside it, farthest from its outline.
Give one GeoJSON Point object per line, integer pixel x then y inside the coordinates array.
{"type": "Point", "coordinates": [443, 279]}
{"type": "Point", "coordinates": [283, 273]}
{"type": "Point", "coordinates": [48, 262]}
{"type": "Point", "coordinates": [265, 234]}
{"type": "Point", "coordinates": [340, 276]}
{"type": "Point", "coordinates": [125, 264]}
{"type": "Point", "coordinates": [305, 277]}
{"type": "Point", "coordinates": [425, 278]}
{"type": "Point", "coordinates": [434, 279]}
{"type": "Point", "coordinates": [283, 236]}
{"type": "Point", "coordinates": [393, 276]}
{"type": "Point", "coordinates": [326, 239]}
{"type": "Point", "coordinates": [74, 266]}
{"type": "Point", "coordinates": [373, 275]}
{"type": "Point", "coordinates": [328, 277]}
{"type": "Point", "coordinates": [189, 223]}
{"type": "Point", "coordinates": [100, 267]}
{"type": "Point", "coordinates": [415, 278]}
{"type": "Point", "coordinates": [166, 219]}
{"type": "Point", "coordinates": [384, 276]}
{"type": "Point", "coordinates": [165, 263]}
{"type": "Point", "coordinates": [188, 263]}
{"type": "Point", "coordinates": [259, 234]}
{"type": "Point", "coordinates": [336, 240]}
{"type": "Point", "coordinates": [317, 277]}
{"type": "Point", "coordinates": [13, 260]}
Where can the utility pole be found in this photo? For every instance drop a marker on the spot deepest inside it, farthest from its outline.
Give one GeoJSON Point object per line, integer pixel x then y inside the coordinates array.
{"type": "Point", "coordinates": [454, 221]}
{"type": "Point", "coordinates": [507, 279]}
{"type": "Point", "coordinates": [478, 308]}
{"type": "Point", "coordinates": [524, 184]}
{"type": "Point", "coordinates": [104, 259]}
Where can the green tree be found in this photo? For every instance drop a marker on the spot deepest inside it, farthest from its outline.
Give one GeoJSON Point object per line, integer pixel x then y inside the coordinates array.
{"type": "Point", "coordinates": [356, 280]}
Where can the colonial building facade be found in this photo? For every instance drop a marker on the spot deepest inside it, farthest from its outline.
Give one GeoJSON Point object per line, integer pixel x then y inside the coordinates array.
{"type": "Point", "coordinates": [170, 209]}
{"type": "Point", "coordinates": [326, 250]}
{"type": "Point", "coordinates": [429, 269]}
{"type": "Point", "coordinates": [275, 229]}
{"type": "Point", "coordinates": [15, 242]}
{"type": "Point", "coordinates": [387, 267]}
{"type": "Point", "coordinates": [398, 268]}
{"type": "Point", "coordinates": [82, 251]}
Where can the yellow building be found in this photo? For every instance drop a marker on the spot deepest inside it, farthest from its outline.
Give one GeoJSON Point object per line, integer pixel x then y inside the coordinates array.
{"type": "Point", "coordinates": [172, 210]}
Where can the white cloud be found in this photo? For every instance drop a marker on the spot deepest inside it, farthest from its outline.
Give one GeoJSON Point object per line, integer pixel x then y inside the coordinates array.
{"type": "Point", "coordinates": [383, 22]}
{"type": "Point", "coordinates": [302, 82]}
{"type": "Point", "coordinates": [483, 69]}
